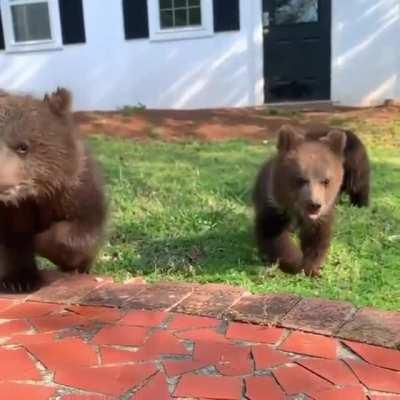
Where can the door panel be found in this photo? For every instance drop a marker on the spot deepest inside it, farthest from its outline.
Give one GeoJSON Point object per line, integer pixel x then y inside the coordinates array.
{"type": "Point", "coordinates": [297, 49]}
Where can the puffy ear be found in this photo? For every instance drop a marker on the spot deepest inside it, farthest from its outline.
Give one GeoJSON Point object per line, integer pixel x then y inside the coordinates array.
{"type": "Point", "coordinates": [336, 140]}
{"type": "Point", "coordinates": [59, 101]}
{"type": "Point", "coordinates": [289, 138]}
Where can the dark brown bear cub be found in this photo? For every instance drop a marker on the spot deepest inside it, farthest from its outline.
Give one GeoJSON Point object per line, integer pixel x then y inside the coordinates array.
{"type": "Point", "coordinates": [299, 185]}
{"type": "Point", "coordinates": [51, 194]}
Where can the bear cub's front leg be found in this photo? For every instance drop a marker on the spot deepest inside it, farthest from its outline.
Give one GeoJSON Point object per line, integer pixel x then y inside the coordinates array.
{"type": "Point", "coordinates": [315, 241]}
{"type": "Point", "coordinates": [18, 270]}
{"type": "Point", "coordinates": [272, 229]}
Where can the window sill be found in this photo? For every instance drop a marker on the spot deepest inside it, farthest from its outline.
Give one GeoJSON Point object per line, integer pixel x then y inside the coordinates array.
{"type": "Point", "coordinates": [30, 48]}
{"type": "Point", "coordinates": [180, 34]}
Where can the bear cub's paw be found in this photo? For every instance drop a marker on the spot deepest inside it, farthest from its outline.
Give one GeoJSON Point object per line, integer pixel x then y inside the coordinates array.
{"type": "Point", "coordinates": [20, 282]}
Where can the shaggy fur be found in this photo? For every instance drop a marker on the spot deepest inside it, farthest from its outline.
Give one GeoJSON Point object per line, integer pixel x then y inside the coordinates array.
{"type": "Point", "coordinates": [51, 193]}
{"type": "Point", "coordinates": [299, 186]}
{"type": "Point", "coordinates": [356, 182]}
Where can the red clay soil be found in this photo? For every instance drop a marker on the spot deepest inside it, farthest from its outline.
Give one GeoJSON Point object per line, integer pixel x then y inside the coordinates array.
{"type": "Point", "coordinates": [220, 124]}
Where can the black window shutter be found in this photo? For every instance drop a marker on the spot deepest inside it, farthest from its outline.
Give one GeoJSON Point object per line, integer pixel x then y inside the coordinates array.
{"type": "Point", "coordinates": [136, 19]}
{"type": "Point", "coordinates": [72, 21]}
{"type": "Point", "coordinates": [226, 15]}
{"type": "Point", "coordinates": [2, 46]}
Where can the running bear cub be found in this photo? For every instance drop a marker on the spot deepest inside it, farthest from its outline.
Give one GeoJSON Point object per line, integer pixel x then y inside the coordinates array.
{"type": "Point", "coordinates": [300, 186]}
{"type": "Point", "coordinates": [51, 193]}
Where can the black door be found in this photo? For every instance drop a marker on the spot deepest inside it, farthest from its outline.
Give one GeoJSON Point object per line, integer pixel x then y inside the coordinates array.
{"type": "Point", "coordinates": [297, 50]}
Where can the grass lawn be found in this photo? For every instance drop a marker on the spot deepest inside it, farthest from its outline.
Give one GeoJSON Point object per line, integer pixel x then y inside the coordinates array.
{"type": "Point", "coordinates": [182, 212]}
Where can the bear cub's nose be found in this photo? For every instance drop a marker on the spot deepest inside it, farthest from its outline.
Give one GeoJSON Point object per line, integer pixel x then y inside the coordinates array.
{"type": "Point", "coordinates": [314, 207]}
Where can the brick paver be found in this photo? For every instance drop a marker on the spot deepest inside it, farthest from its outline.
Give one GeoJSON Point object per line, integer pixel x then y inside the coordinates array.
{"type": "Point", "coordinates": [16, 364]}
{"type": "Point", "coordinates": [58, 354]}
{"type": "Point", "coordinates": [116, 348]}
{"type": "Point", "coordinates": [209, 300]}
{"type": "Point", "coordinates": [386, 358]}
{"type": "Point", "coordinates": [266, 310]}
{"type": "Point", "coordinates": [257, 387]}
{"type": "Point", "coordinates": [156, 388]}
{"type": "Point", "coordinates": [351, 392]}
{"type": "Point", "coordinates": [12, 327]}
{"type": "Point", "coordinates": [318, 315]}
{"type": "Point", "coordinates": [376, 378]}
{"type": "Point", "coordinates": [253, 333]}
{"type": "Point", "coordinates": [228, 359]}
{"type": "Point", "coordinates": [21, 391]}
{"type": "Point", "coordinates": [121, 335]}
{"type": "Point", "coordinates": [112, 381]}
{"type": "Point", "coordinates": [296, 379]}
{"type": "Point", "coordinates": [334, 371]}
{"type": "Point", "coordinates": [180, 367]}
{"type": "Point", "coordinates": [311, 345]}
{"type": "Point", "coordinates": [210, 387]}
{"type": "Point", "coordinates": [373, 327]}
{"type": "Point", "coordinates": [265, 357]}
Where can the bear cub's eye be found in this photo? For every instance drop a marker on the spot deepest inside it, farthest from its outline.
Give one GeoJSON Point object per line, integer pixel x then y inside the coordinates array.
{"type": "Point", "coordinates": [301, 182]}
{"type": "Point", "coordinates": [22, 149]}
{"type": "Point", "coordinates": [326, 182]}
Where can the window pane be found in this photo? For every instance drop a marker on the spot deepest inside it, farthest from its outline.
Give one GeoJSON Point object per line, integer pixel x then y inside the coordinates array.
{"type": "Point", "coordinates": [180, 3]}
{"type": "Point", "coordinates": [195, 3]}
{"type": "Point", "coordinates": [165, 4]}
{"type": "Point", "coordinates": [167, 19]}
{"type": "Point", "coordinates": [31, 22]}
{"type": "Point", "coordinates": [296, 11]}
{"type": "Point", "coordinates": [181, 17]}
{"type": "Point", "coordinates": [194, 16]}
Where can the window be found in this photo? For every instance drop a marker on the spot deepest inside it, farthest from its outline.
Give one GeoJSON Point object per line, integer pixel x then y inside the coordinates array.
{"type": "Point", "coordinates": [177, 13]}
{"type": "Point", "coordinates": [31, 24]}
{"type": "Point", "coordinates": [180, 19]}
{"type": "Point", "coordinates": [296, 11]}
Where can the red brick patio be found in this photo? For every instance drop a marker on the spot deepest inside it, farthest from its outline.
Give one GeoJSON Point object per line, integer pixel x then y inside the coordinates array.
{"type": "Point", "coordinates": [82, 337]}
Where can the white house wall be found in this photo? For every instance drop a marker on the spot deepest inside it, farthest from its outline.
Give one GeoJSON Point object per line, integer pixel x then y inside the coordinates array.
{"type": "Point", "coordinates": [108, 71]}
{"type": "Point", "coordinates": [225, 69]}
{"type": "Point", "coordinates": [365, 51]}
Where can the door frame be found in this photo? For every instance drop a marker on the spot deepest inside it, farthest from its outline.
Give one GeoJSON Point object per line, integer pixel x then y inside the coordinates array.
{"type": "Point", "coordinates": [330, 56]}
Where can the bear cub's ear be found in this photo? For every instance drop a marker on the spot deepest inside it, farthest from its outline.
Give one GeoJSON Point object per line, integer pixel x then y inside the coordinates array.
{"type": "Point", "coordinates": [336, 140]}
{"type": "Point", "coordinates": [59, 101]}
{"type": "Point", "coordinates": [289, 139]}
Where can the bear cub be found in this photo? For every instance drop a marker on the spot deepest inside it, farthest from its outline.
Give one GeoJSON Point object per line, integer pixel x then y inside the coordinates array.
{"type": "Point", "coordinates": [299, 187]}
{"type": "Point", "coordinates": [52, 202]}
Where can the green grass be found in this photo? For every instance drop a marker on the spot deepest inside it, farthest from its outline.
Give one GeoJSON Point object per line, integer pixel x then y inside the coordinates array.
{"type": "Point", "coordinates": [182, 212]}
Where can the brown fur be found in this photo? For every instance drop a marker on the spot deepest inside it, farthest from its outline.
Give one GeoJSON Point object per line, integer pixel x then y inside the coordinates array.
{"type": "Point", "coordinates": [299, 185]}
{"type": "Point", "coordinates": [356, 181]}
{"type": "Point", "coordinates": [51, 193]}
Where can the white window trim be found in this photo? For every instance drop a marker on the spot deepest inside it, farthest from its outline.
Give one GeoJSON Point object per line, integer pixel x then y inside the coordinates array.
{"type": "Point", "coordinates": [55, 28]}
{"type": "Point", "coordinates": [188, 32]}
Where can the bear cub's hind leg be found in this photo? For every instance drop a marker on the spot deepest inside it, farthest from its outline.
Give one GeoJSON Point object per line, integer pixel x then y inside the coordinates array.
{"type": "Point", "coordinates": [69, 245]}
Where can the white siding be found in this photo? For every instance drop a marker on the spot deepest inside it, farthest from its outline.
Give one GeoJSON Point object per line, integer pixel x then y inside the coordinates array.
{"type": "Point", "coordinates": [109, 72]}
{"type": "Point", "coordinates": [365, 51]}
{"type": "Point", "coordinates": [225, 69]}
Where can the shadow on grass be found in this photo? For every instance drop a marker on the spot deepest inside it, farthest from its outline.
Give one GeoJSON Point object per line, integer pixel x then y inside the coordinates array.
{"type": "Point", "coordinates": [183, 212]}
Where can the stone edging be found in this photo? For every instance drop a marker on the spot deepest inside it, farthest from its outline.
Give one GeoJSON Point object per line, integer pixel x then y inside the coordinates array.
{"type": "Point", "coordinates": [326, 317]}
